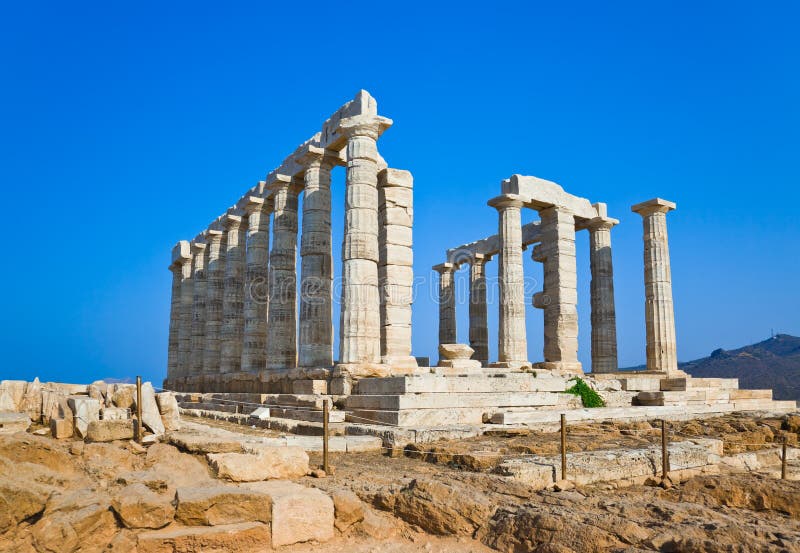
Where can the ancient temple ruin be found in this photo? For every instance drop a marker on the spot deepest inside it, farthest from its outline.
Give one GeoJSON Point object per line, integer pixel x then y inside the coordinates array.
{"type": "Point", "coordinates": [244, 328]}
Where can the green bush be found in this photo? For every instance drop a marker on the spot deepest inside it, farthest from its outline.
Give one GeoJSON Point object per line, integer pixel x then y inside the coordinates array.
{"type": "Point", "coordinates": [589, 397]}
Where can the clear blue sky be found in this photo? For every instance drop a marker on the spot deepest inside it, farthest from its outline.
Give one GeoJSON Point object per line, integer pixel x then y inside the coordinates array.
{"type": "Point", "coordinates": [127, 126]}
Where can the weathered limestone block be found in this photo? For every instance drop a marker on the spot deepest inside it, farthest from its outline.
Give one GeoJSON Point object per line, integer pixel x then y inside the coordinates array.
{"type": "Point", "coordinates": [151, 417]}
{"type": "Point", "coordinates": [244, 536]}
{"type": "Point", "coordinates": [114, 414]}
{"type": "Point", "coordinates": [264, 463]}
{"type": "Point", "coordinates": [348, 509]}
{"type": "Point", "coordinates": [11, 423]}
{"type": "Point", "coordinates": [32, 400]}
{"type": "Point", "coordinates": [310, 387]}
{"type": "Point", "coordinates": [84, 410]}
{"type": "Point", "coordinates": [11, 394]}
{"type": "Point", "coordinates": [7, 404]}
{"type": "Point", "coordinates": [62, 428]}
{"type": "Point", "coordinates": [170, 412]}
{"type": "Point", "coordinates": [109, 430]}
{"type": "Point", "coordinates": [138, 507]}
{"type": "Point", "coordinates": [216, 505]}
{"type": "Point", "coordinates": [455, 351]}
{"type": "Point", "coordinates": [299, 514]}
{"type": "Point", "coordinates": [123, 396]}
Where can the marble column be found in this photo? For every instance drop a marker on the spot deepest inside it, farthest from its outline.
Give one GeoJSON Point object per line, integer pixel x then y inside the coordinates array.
{"type": "Point", "coordinates": [447, 303]}
{"type": "Point", "coordinates": [256, 287]}
{"type": "Point", "coordinates": [604, 318]}
{"type": "Point", "coordinates": [232, 332]}
{"type": "Point", "coordinates": [360, 336]}
{"type": "Point", "coordinates": [215, 286]}
{"type": "Point", "coordinates": [478, 317]}
{"type": "Point", "coordinates": [315, 346]}
{"type": "Point", "coordinates": [659, 310]}
{"type": "Point", "coordinates": [512, 340]}
{"type": "Point", "coordinates": [176, 267]}
{"type": "Point", "coordinates": [560, 290]}
{"type": "Point", "coordinates": [185, 330]}
{"type": "Point", "coordinates": [198, 308]}
{"type": "Point", "coordinates": [282, 313]}
{"type": "Point", "coordinates": [396, 266]}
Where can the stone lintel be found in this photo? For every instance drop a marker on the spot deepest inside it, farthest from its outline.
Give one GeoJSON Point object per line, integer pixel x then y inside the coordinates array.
{"type": "Point", "coordinates": [540, 194]}
{"type": "Point", "coordinates": [653, 206]}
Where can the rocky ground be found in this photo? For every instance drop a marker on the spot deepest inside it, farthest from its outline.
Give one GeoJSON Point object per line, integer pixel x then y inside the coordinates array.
{"type": "Point", "coordinates": [65, 495]}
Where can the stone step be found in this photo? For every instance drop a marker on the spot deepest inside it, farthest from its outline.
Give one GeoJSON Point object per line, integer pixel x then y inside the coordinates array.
{"type": "Point", "coordinates": [700, 395]}
{"type": "Point", "coordinates": [305, 414]}
{"type": "Point", "coordinates": [639, 413]}
{"type": "Point", "coordinates": [431, 383]}
{"type": "Point", "coordinates": [685, 384]}
{"type": "Point", "coordinates": [456, 400]}
{"type": "Point", "coordinates": [223, 537]}
{"type": "Point", "coordinates": [750, 394]}
{"type": "Point", "coordinates": [764, 405]}
{"type": "Point", "coordinates": [419, 418]}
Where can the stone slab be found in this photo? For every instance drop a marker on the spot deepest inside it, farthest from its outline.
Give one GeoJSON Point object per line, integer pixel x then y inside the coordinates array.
{"type": "Point", "coordinates": [447, 401]}
{"type": "Point", "coordinates": [431, 383]}
{"type": "Point", "coordinates": [11, 423]}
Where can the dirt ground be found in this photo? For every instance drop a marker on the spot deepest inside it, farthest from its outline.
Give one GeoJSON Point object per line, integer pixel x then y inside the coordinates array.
{"type": "Point", "coordinates": [441, 497]}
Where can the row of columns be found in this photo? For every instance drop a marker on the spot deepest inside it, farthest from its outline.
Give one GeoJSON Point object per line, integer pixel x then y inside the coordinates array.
{"type": "Point", "coordinates": [558, 298]}
{"type": "Point", "coordinates": [235, 306]}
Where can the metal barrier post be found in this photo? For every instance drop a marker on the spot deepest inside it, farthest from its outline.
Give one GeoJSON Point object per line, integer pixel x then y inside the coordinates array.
{"type": "Point", "coordinates": [563, 446]}
{"type": "Point", "coordinates": [139, 430]}
{"type": "Point", "coordinates": [325, 417]}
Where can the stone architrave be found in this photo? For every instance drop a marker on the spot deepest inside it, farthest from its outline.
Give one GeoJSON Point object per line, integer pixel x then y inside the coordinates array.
{"type": "Point", "coordinates": [232, 331]}
{"type": "Point", "coordinates": [395, 265]}
{"type": "Point", "coordinates": [215, 274]}
{"type": "Point", "coordinates": [360, 336]}
{"type": "Point", "coordinates": [185, 328]}
{"type": "Point", "coordinates": [560, 290]}
{"type": "Point", "coordinates": [282, 314]}
{"type": "Point", "coordinates": [315, 346]}
{"type": "Point", "coordinates": [256, 289]}
{"type": "Point", "coordinates": [659, 310]}
{"type": "Point", "coordinates": [604, 318]}
{"type": "Point", "coordinates": [199, 266]}
{"type": "Point", "coordinates": [478, 317]}
{"type": "Point", "coordinates": [512, 340]}
{"type": "Point", "coordinates": [447, 303]}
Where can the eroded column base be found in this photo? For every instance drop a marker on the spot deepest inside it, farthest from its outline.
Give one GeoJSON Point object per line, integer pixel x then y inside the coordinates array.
{"type": "Point", "coordinates": [561, 368]}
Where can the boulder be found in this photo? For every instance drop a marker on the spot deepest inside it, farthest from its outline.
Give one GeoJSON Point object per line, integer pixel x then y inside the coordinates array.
{"type": "Point", "coordinates": [84, 410]}
{"type": "Point", "coordinates": [455, 351]}
{"type": "Point", "coordinates": [98, 390]}
{"type": "Point", "coordinates": [348, 509]}
{"type": "Point", "coordinates": [32, 400]}
{"type": "Point", "coordinates": [123, 395]}
{"type": "Point", "coordinates": [263, 463]}
{"type": "Point", "coordinates": [151, 417]}
{"type": "Point", "coordinates": [138, 507]}
{"type": "Point", "coordinates": [11, 423]}
{"type": "Point", "coordinates": [170, 412]}
{"type": "Point", "coordinates": [215, 505]}
{"type": "Point", "coordinates": [75, 521]}
{"type": "Point", "coordinates": [19, 500]}
{"type": "Point", "coordinates": [378, 526]}
{"type": "Point", "coordinates": [109, 430]}
{"type": "Point", "coordinates": [299, 514]}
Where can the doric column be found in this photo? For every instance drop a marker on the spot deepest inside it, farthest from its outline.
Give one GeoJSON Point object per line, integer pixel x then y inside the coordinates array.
{"type": "Point", "coordinates": [659, 311]}
{"type": "Point", "coordinates": [478, 317]}
{"type": "Point", "coordinates": [215, 286]}
{"type": "Point", "coordinates": [256, 287]}
{"type": "Point", "coordinates": [199, 262]}
{"type": "Point", "coordinates": [447, 303]}
{"type": "Point", "coordinates": [315, 346]}
{"type": "Point", "coordinates": [604, 318]}
{"type": "Point", "coordinates": [282, 313]}
{"type": "Point", "coordinates": [360, 337]}
{"type": "Point", "coordinates": [232, 332]}
{"type": "Point", "coordinates": [560, 293]}
{"type": "Point", "coordinates": [395, 265]}
{"type": "Point", "coordinates": [185, 330]}
{"type": "Point", "coordinates": [512, 341]}
{"type": "Point", "coordinates": [179, 259]}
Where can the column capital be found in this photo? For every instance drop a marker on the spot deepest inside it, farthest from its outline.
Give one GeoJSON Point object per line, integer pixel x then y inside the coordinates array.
{"type": "Point", "coordinates": [181, 253]}
{"type": "Point", "coordinates": [311, 155]}
{"type": "Point", "coordinates": [656, 205]}
{"type": "Point", "coordinates": [252, 204]}
{"type": "Point", "coordinates": [598, 223]}
{"type": "Point", "coordinates": [505, 201]}
{"type": "Point", "coordinates": [230, 221]}
{"type": "Point", "coordinates": [364, 125]}
{"type": "Point", "coordinates": [198, 247]}
{"type": "Point", "coordinates": [213, 236]}
{"type": "Point", "coordinates": [442, 268]}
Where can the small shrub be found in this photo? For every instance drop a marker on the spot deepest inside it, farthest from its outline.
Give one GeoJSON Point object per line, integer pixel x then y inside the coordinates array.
{"type": "Point", "coordinates": [589, 397]}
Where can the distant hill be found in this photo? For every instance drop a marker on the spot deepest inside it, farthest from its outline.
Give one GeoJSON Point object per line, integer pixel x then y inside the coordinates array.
{"type": "Point", "coordinates": [773, 363]}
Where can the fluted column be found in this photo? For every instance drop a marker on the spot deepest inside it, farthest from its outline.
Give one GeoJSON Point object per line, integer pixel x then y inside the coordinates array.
{"type": "Point", "coordinates": [512, 340]}
{"type": "Point", "coordinates": [659, 310]}
{"type": "Point", "coordinates": [215, 286]}
{"type": "Point", "coordinates": [176, 267]}
{"type": "Point", "coordinates": [256, 287]}
{"type": "Point", "coordinates": [282, 313]}
{"type": "Point", "coordinates": [447, 303]}
{"type": "Point", "coordinates": [560, 290]}
{"type": "Point", "coordinates": [478, 317]}
{"type": "Point", "coordinates": [360, 339]}
{"type": "Point", "coordinates": [199, 262]}
{"type": "Point", "coordinates": [185, 329]}
{"type": "Point", "coordinates": [315, 347]}
{"type": "Point", "coordinates": [604, 318]}
{"type": "Point", "coordinates": [232, 332]}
